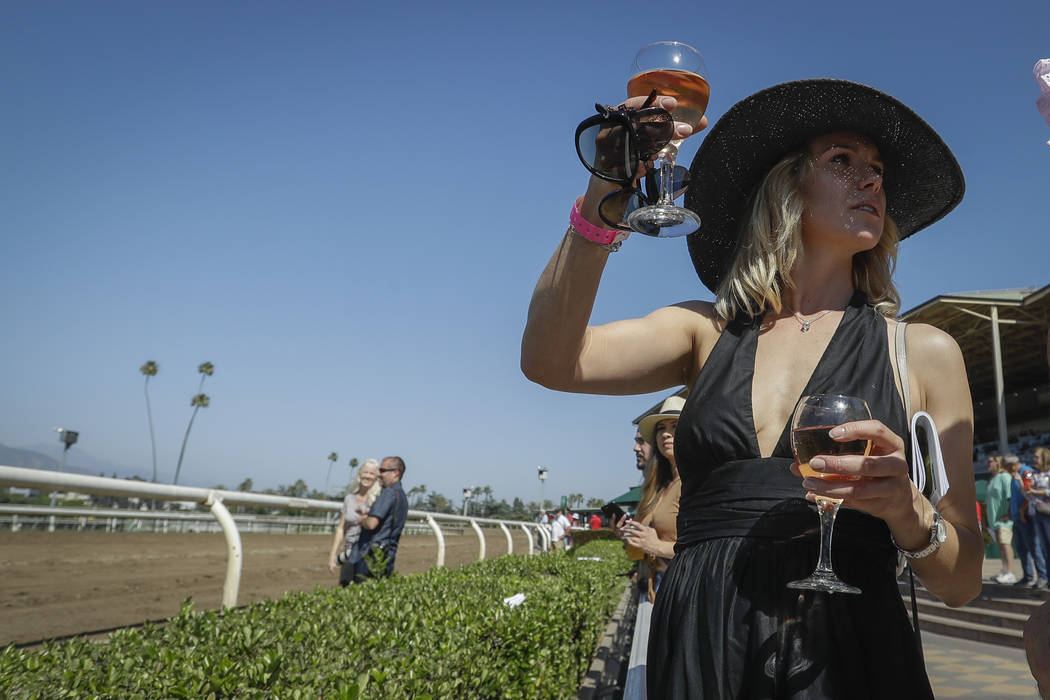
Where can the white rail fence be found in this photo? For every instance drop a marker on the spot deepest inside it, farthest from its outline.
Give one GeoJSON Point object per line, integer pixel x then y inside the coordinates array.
{"type": "Point", "coordinates": [216, 501]}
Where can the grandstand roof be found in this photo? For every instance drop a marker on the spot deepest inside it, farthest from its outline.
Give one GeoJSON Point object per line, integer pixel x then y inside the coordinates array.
{"type": "Point", "coordinates": [1024, 317]}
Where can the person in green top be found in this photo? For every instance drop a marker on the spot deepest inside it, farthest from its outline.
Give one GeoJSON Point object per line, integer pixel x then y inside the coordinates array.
{"type": "Point", "coordinates": [998, 506]}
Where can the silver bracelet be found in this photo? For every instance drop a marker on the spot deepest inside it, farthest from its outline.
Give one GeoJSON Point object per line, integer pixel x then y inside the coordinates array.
{"type": "Point", "coordinates": [611, 247]}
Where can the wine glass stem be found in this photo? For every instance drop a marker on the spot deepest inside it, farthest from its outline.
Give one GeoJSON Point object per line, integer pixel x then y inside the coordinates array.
{"type": "Point", "coordinates": [667, 157]}
{"type": "Point", "coordinates": [828, 509]}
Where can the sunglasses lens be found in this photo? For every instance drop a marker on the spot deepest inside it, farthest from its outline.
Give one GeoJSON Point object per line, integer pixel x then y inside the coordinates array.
{"type": "Point", "coordinates": [604, 149]}
{"type": "Point", "coordinates": [616, 206]}
{"type": "Point", "coordinates": [654, 127]}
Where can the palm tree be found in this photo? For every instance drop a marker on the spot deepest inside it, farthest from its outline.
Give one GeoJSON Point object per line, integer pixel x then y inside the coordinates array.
{"type": "Point", "coordinates": [353, 462]}
{"type": "Point", "coordinates": [206, 369]}
{"type": "Point", "coordinates": [419, 492]}
{"type": "Point", "coordinates": [198, 402]}
{"type": "Point", "coordinates": [150, 369]}
{"type": "Point", "coordinates": [332, 459]}
{"type": "Point", "coordinates": [486, 494]}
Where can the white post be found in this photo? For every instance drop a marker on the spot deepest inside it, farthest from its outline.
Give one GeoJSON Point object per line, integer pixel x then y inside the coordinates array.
{"type": "Point", "coordinates": [233, 549]}
{"type": "Point", "coordinates": [15, 526]}
{"type": "Point", "coordinates": [440, 539]}
{"type": "Point", "coordinates": [1000, 400]}
{"type": "Point", "coordinates": [481, 538]}
{"type": "Point", "coordinates": [528, 533]}
{"type": "Point", "coordinates": [510, 542]}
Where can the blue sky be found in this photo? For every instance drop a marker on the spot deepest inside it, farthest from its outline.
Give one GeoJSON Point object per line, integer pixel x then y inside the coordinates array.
{"type": "Point", "coordinates": [345, 206]}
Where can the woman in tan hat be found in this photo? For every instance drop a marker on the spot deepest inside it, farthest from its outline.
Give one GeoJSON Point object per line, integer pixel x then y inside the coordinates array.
{"type": "Point", "coordinates": [654, 529]}
{"type": "Point", "coordinates": [803, 190]}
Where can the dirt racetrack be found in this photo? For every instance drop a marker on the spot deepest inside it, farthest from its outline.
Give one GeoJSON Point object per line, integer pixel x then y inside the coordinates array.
{"type": "Point", "coordinates": [68, 582]}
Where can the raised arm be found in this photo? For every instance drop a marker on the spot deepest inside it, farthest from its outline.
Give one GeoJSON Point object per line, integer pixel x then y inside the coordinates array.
{"type": "Point", "coordinates": [560, 351]}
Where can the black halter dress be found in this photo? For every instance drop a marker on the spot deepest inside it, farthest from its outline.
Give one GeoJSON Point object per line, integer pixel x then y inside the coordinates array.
{"type": "Point", "coordinates": [725, 625]}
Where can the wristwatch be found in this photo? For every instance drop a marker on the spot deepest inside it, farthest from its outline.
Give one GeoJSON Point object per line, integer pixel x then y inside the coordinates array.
{"type": "Point", "coordinates": [938, 536]}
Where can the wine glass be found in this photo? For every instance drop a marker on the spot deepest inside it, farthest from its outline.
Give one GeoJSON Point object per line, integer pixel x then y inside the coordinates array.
{"type": "Point", "coordinates": [675, 69]}
{"type": "Point", "coordinates": [814, 416]}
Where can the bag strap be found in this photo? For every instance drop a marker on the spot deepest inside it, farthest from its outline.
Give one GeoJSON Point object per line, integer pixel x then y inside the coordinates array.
{"type": "Point", "coordinates": [902, 375]}
{"type": "Point", "coordinates": [902, 367]}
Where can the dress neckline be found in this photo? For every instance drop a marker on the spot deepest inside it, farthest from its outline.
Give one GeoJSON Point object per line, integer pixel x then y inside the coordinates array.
{"type": "Point", "coordinates": [856, 302]}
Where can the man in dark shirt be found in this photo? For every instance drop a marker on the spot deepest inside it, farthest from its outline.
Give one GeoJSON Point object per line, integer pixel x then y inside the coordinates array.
{"type": "Point", "coordinates": [381, 528]}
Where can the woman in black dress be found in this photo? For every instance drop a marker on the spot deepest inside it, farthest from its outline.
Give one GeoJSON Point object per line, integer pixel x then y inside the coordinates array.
{"type": "Point", "coordinates": [803, 190]}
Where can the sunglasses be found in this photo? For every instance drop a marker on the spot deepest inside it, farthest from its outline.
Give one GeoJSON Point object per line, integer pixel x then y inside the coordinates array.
{"type": "Point", "coordinates": [614, 142]}
{"type": "Point", "coordinates": [388, 469]}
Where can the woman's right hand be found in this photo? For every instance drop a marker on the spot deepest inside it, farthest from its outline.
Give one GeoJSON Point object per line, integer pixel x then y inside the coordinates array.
{"type": "Point", "coordinates": [620, 526]}
{"type": "Point", "coordinates": [333, 566]}
{"type": "Point", "coordinates": [598, 188]}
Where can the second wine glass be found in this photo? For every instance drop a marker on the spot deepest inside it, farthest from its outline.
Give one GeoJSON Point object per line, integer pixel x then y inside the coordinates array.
{"type": "Point", "coordinates": [677, 70]}
{"type": "Point", "coordinates": [815, 415]}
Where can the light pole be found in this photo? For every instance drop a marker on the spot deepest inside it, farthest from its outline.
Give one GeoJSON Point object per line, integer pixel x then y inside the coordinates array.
{"type": "Point", "coordinates": [68, 438]}
{"type": "Point", "coordinates": [541, 472]}
{"type": "Point", "coordinates": [468, 492]}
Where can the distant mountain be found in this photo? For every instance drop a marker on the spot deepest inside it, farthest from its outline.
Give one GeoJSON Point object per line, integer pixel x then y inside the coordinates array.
{"type": "Point", "coordinates": [14, 457]}
{"type": "Point", "coordinates": [75, 463]}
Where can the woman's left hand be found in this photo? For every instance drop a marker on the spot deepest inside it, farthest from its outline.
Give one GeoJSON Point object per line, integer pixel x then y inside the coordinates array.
{"type": "Point", "coordinates": [878, 483]}
{"type": "Point", "coordinates": [641, 536]}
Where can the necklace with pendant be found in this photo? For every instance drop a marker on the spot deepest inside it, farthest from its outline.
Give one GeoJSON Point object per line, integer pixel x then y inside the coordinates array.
{"type": "Point", "coordinates": [805, 323]}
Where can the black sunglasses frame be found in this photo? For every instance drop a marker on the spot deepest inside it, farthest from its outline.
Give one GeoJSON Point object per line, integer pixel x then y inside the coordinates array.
{"type": "Point", "coordinates": [637, 152]}
{"type": "Point", "coordinates": [636, 149]}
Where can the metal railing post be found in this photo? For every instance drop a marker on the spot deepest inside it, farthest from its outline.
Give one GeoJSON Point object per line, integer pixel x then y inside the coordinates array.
{"type": "Point", "coordinates": [528, 534]}
{"type": "Point", "coordinates": [440, 539]}
{"type": "Point", "coordinates": [481, 538]}
{"type": "Point", "coordinates": [510, 542]}
{"type": "Point", "coordinates": [233, 549]}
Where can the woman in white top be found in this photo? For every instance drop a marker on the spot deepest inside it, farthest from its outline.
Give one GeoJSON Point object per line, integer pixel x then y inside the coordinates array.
{"type": "Point", "coordinates": [363, 491]}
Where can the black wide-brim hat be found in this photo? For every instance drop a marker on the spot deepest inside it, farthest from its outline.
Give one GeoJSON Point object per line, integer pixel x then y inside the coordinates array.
{"type": "Point", "coordinates": [923, 180]}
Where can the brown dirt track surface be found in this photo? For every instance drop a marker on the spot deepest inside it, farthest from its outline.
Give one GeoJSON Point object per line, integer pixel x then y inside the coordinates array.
{"type": "Point", "coordinates": [67, 582]}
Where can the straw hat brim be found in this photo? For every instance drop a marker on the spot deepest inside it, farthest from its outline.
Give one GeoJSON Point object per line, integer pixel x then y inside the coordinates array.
{"type": "Point", "coordinates": [923, 180]}
{"type": "Point", "coordinates": [671, 408]}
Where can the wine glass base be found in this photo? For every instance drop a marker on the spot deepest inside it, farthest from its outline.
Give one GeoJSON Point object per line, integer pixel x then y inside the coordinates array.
{"type": "Point", "coordinates": [829, 583]}
{"type": "Point", "coordinates": [663, 221]}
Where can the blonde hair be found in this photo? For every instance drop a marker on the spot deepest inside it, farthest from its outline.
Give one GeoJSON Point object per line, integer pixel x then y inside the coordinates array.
{"type": "Point", "coordinates": [1044, 453]}
{"type": "Point", "coordinates": [771, 240]}
{"type": "Point", "coordinates": [355, 483]}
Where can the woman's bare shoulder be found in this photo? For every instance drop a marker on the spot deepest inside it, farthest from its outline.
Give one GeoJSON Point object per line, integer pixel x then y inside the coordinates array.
{"type": "Point", "coordinates": [938, 366]}
{"type": "Point", "coordinates": [931, 344]}
{"type": "Point", "coordinates": [700, 312]}
{"type": "Point", "coordinates": [704, 327]}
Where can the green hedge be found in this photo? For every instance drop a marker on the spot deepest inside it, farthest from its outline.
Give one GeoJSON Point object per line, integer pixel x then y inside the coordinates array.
{"type": "Point", "coordinates": [445, 633]}
{"type": "Point", "coordinates": [582, 537]}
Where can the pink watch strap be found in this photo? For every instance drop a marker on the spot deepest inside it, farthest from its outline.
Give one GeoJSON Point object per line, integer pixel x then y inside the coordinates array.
{"type": "Point", "coordinates": [601, 236]}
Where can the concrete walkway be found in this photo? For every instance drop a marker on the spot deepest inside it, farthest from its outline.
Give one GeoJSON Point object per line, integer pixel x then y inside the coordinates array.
{"type": "Point", "coordinates": [959, 668]}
